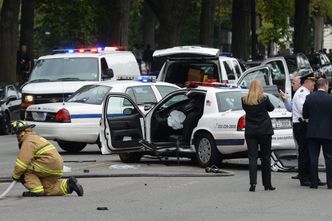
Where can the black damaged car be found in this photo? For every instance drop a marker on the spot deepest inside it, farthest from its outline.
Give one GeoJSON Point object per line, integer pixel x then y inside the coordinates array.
{"type": "Point", "coordinates": [10, 105]}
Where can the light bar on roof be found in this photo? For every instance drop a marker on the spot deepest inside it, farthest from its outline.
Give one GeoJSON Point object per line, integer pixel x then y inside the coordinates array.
{"type": "Point", "coordinates": [80, 50]}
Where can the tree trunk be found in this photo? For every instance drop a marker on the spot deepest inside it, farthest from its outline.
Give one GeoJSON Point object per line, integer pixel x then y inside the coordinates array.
{"type": "Point", "coordinates": [241, 29]}
{"type": "Point", "coordinates": [112, 21]}
{"type": "Point", "coordinates": [318, 32]}
{"type": "Point", "coordinates": [207, 22]}
{"type": "Point", "coordinates": [26, 32]}
{"type": "Point", "coordinates": [171, 16]}
{"type": "Point", "coordinates": [8, 40]}
{"type": "Point", "coordinates": [301, 26]}
{"type": "Point", "coordinates": [149, 24]}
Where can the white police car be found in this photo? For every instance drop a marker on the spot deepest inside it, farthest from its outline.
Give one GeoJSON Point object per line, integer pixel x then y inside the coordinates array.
{"type": "Point", "coordinates": [209, 124]}
{"type": "Point", "coordinates": [75, 123]}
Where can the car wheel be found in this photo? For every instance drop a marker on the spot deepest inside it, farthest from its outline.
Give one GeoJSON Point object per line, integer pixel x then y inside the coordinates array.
{"type": "Point", "coordinates": [71, 147]}
{"type": "Point", "coordinates": [5, 127]}
{"type": "Point", "coordinates": [130, 157]}
{"type": "Point", "coordinates": [206, 151]}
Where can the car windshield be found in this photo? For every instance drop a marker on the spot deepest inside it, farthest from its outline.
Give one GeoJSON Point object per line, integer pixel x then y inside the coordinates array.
{"type": "Point", "coordinates": [90, 94]}
{"type": "Point", "coordinates": [66, 69]}
{"type": "Point", "coordinates": [232, 100]}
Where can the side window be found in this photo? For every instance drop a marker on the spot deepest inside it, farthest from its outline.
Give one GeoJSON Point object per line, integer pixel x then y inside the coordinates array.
{"type": "Point", "coordinates": [115, 107]}
{"type": "Point", "coordinates": [237, 69]}
{"type": "Point", "coordinates": [229, 70]}
{"type": "Point", "coordinates": [142, 94]}
{"type": "Point", "coordinates": [11, 91]}
{"type": "Point", "coordinates": [278, 74]}
{"type": "Point", "coordinates": [173, 100]}
{"type": "Point", "coordinates": [164, 90]}
{"type": "Point", "coordinates": [103, 65]}
{"type": "Point", "coordinates": [260, 74]}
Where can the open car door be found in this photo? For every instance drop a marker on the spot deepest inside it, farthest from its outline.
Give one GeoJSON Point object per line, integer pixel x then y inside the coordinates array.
{"type": "Point", "coordinates": [261, 73]}
{"type": "Point", "coordinates": [122, 124]}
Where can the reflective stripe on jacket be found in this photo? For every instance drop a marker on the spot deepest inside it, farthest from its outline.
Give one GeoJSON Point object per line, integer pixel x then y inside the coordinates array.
{"type": "Point", "coordinates": [37, 154]}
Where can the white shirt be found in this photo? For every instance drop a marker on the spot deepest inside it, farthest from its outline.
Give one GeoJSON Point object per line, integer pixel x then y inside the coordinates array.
{"type": "Point", "coordinates": [298, 101]}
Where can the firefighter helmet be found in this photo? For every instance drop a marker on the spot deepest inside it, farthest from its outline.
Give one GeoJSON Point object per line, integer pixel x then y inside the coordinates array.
{"type": "Point", "coordinates": [19, 126]}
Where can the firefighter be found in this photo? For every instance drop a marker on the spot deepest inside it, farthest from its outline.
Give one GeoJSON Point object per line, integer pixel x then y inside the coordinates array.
{"type": "Point", "coordinates": [39, 166]}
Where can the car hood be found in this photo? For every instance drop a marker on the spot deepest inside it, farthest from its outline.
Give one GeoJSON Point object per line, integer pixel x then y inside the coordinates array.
{"type": "Point", "coordinates": [54, 87]}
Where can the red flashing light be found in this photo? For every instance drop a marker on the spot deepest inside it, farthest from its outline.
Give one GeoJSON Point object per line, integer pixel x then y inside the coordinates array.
{"type": "Point", "coordinates": [63, 116]}
{"type": "Point", "coordinates": [94, 50]}
{"type": "Point", "coordinates": [241, 124]}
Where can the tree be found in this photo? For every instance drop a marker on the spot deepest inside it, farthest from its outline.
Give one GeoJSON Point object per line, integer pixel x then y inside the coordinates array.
{"type": "Point", "coordinates": [301, 26]}
{"type": "Point", "coordinates": [320, 10]}
{"type": "Point", "coordinates": [171, 16]}
{"type": "Point", "coordinates": [112, 20]}
{"type": "Point", "coordinates": [149, 24]}
{"type": "Point", "coordinates": [26, 31]}
{"type": "Point", "coordinates": [8, 40]}
{"type": "Point", "coordinates": [207, 22]}
{"type": "Point", "coordinates": [274, 26]}
{"type": "Point", "coordinates": [241, 28]}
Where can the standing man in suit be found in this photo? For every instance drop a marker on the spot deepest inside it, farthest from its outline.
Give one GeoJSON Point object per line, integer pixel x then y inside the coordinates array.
{"type": "Point", "coordinates": [317, 108]}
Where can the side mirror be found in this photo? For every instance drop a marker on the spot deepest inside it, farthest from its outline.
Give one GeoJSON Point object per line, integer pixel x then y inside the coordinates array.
{"type": "Point", "coordinates": [147, 107]}
{"type": "Point", "coordinates": [128, 111]}
{"type": "Point", "coordinates": [11, 98]}
{"type": "Point", "coordinates": [109, 74]}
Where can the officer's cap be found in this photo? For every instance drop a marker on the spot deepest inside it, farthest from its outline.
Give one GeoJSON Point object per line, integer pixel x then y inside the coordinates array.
{"type": "Point", "coordinates": [309, 76]}
{"type": "Point", "coordinates": [19, 126]}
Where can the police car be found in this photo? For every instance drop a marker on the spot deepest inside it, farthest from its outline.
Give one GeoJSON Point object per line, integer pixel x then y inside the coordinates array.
{"type": "Point", "coordinates": [75, 123]}
{"type": "Point", "coordinates": [206, 123]}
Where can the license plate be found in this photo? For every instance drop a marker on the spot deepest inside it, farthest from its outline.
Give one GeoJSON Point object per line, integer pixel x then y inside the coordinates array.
{"type": "Point", "coordinates": [39, 116]}
{"type": "Point", "coordinates": [281, 123]}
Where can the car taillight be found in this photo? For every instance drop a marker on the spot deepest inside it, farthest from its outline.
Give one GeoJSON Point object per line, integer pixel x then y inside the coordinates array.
{"type": "Point", "coordinates": [241, 124]}
{"type": "Point", "coordinates": [63, 116]}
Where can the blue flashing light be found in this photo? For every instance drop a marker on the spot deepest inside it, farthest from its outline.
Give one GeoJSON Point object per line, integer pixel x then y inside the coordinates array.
{"type": "Point", "coordinates": [146, 79]}
{"type": "Point", "coordinates": [70, 50]}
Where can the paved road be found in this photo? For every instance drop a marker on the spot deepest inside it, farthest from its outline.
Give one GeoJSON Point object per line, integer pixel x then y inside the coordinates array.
{"type": "Point", "coordinates": [162, 198]}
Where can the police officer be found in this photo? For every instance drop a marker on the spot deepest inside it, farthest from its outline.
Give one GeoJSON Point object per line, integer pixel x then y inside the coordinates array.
{"type": "Point", "coordinates": [300, 128]}
{"type": "Point", "coordinates": [39, 166]}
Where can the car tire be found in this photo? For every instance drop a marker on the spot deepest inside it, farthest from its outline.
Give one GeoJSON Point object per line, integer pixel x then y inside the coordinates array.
{"type": "Point", "coordinates": [130, 157]}
{"type": "Point", "coordinates": [5, 126]}
{"type": "Point", "coordinates": [206, 151]}
{"type": "Point", "coordinates": [71, 147]}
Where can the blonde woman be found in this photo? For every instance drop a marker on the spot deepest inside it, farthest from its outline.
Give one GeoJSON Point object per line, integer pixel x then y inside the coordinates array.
{"type": "Point", "coordinates": [258, 133]}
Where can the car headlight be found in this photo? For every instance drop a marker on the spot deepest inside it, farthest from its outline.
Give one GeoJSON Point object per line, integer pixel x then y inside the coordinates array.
{"type": "Point", "coordinates": [29, 99]}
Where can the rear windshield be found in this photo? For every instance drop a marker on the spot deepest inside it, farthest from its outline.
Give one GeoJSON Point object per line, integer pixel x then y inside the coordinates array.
{"type": "Point", "coordinates": [180, 72]}
{"type": "Point", "coordinates": [232, 101]}
{"type": "Point", "coordinates": [66, 69]}
{"type": "Point", "coordinates": [90, 94]}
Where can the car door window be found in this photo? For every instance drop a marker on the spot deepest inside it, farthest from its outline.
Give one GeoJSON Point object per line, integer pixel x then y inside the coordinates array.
{"type": "Point", "coordinates": [260, 74]}
{"type": "Point", "coordinates": [173, 100]}
{"type": "Point", "coordinates": [119, 107]}
{"type": "Point", "coordinates": [164, 90]}
{"type": "Point", "coordinates": [237, 69]}
{"type": "Point", "coordinates": [11, 92]}
{"type": "Point", "coordinates": [142, 95]}
{"type": "Point", "coordinates": [229, 70]}
{"type": "Point", "coordinates": [278, 74]}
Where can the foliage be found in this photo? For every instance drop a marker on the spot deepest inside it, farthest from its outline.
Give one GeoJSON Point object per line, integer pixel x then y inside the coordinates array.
{"type": "Point", "coordinates": [224, 14]}
{"type": "Point", "coordinates": [60, 24]}
{"type": "Point", "coordinates": [275, 26]}
{"type": "Point", "coordinates": [322, 8]}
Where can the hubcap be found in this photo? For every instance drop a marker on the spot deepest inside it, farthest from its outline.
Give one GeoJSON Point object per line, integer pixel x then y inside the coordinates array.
{"type": "Point", "coordinates": [204, 150]}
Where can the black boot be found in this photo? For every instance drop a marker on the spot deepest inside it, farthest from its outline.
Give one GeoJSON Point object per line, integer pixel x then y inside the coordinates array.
{"type": "Point", "coordinates": [73, 185]}
{"type": "Point", "coordinates": [32, 194]}
{"type": "Point", "coordinates": [252, 188]}
{"type": "Point", "coordinates": [269, 188]}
